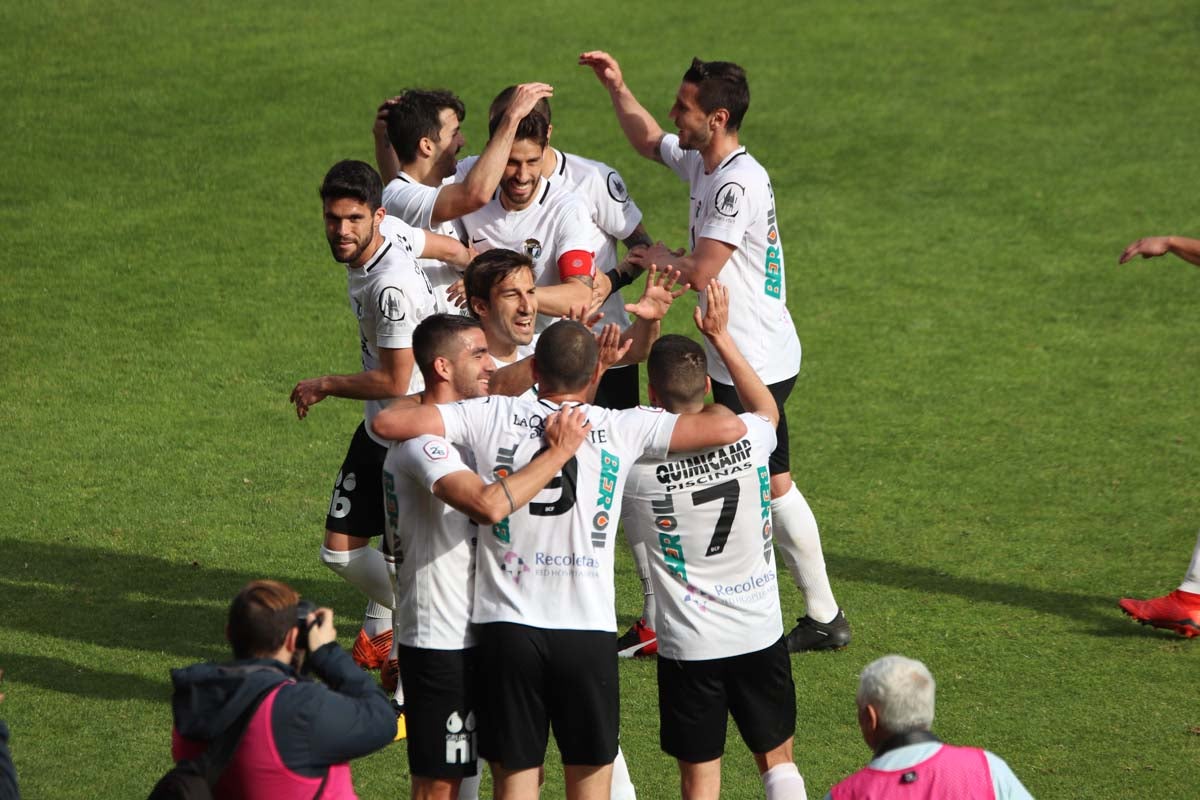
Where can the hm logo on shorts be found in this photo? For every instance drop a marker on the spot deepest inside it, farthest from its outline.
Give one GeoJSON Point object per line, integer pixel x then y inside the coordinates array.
{"type": "Point", "coordinates": [339, 505]}
{"type": "Point", "coordinates": [460, 738]}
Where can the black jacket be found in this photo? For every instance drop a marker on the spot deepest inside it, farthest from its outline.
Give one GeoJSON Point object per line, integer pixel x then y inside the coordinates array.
{"type": "Point", "coordinates": [8, 773]}
{"type": "Point", "coordinates": [315, 724]}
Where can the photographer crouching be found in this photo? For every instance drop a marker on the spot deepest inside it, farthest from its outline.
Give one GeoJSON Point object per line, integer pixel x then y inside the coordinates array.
{"type": "Point", "coordinates": [299, 735]}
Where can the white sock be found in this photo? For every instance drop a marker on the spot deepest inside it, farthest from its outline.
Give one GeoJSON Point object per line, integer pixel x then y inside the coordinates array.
{"type": "Point", "coordinates": [1191, 582]}
{"type": "Point", "coordinates": [377, 619]}
{"type": "Point", "coordinates": [642, 558]}
{"type": "Point", "coordinates": [783, 782]}
{"type": "Point", "coordinates": [797, 536]}
{"type": "Point", "coordinates": [365, 568]}
{"type": "Point", "coordinates": [622, 784]}
{"type": "Point", "coordinates": [469, 788]}
{"type": "Point", "coordinates": [393, 655]}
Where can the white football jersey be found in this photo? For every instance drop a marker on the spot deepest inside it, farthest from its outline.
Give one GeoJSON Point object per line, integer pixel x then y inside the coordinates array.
{"type": "Point", "coordinates": [556, 222]}
{"type": "Point", "coordinates": [614, 213]}
{"type": "Point", "coordinates": [412, 201]}
{"type": "Point", "coordinates": [735, 204]}
{"type": "Point", "coordinates": [389, 295]}
{"type": "Point", "coordinates": [705, 519]}
{"type": "Point", "coordinates": [550, 564]}
{"type": "Point", "coordinates": [434, 546]}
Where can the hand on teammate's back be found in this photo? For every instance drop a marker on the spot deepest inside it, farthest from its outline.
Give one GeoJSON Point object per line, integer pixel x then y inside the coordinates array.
{"type": "Point", "coordinates": [566, 429]}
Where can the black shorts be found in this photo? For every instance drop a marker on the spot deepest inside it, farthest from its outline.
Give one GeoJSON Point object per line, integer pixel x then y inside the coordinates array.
{"type": "Point", "coordinates": [539, 679]}
{"type": "Point", "coordinates": [618, 388]}
{"type": "Point", "coordinates": [781, 459]}
{"type": "Point", "coordinates": [695, 698]}
{"type": "Point", "coordinates": [356, 508]}
{"type": "Point", "coordinates": [440, 710]}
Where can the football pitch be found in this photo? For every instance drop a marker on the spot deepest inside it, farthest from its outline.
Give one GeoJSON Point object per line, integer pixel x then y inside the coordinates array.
{"type": "Point", "coordinates": [996, 426]}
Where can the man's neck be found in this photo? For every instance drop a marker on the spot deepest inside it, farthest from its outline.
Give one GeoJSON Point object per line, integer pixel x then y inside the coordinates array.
{"type": "Point", "coordinates": [439, 392]}
{"type": "Point", "coordinates": [421, 171]}
{"type": "Point", "coordinates": [503, 349]}
{"type": "Point", "coordinates": [718, 149]}
{"type": "Point", "coordinates": [549, 162]}
{"type": "Point", "coordinates": [560, 398]}
{"type": "Point", "coordinates": [370, 252]}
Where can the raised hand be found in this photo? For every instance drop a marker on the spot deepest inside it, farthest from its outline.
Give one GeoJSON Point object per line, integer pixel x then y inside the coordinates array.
{"type": "Point", "coordinates": [715, 321]}
{"type": "Point", "coordinates": [607, 70]}
{"type": "Point", "coordinates": [658, 295]}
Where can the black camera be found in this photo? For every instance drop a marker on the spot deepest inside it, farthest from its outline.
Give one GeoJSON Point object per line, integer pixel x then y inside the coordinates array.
{"type": "Point", "coordinates": [303, 626]}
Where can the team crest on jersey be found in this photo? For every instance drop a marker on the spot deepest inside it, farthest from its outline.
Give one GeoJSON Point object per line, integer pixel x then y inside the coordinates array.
{"type": "Point", "coordinates": [533, 249]}
{"type": "Point", "coordinates": [616, 188]}
{"type": "Point", "coordinates": [514, 566]}
{"type": "Point", "coordinates": [435, 450]}
{"type": "Point", "coordinates": [728, 201]}
{"type": "Point", "coordinates": [391, 303]}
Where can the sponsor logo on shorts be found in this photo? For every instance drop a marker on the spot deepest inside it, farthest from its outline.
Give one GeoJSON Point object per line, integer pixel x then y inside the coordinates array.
{"type": "Point", "coordinates": [436, 450]}
{"type": "Point", "coordinates": [339, 505]}
{"type": "Point", "coordinates": [460, 738]}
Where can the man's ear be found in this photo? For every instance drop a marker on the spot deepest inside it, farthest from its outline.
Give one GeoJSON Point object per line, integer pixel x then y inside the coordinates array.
{"type": "Point", "coordinates": [380, 213]}
{"type": "Point", "coordinates": [441, 367]}
{"type": "Point", "coordinates": [533, 368]}
{"type": "Point", "coordinates": [707, 385]}
{"type": "Point", "coordinates": [425, 146]}
{"type": "Point", "coordinates": [652, 397]}
{"type": "Point", "coordinates": [289, 641]}
{"type": "Point", "coordinates": [719, 119]}
{"type": "Point", "coordinates": [479, 306]}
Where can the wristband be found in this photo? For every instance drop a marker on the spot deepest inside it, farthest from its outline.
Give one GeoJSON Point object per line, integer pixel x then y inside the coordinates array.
{"type": "Point", "coordinates": [512, 506]}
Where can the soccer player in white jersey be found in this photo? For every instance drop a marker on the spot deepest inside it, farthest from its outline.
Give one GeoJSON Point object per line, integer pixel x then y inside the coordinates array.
{"type": "Point", "coordinates": [417, 137]}
{"type": "Point", "coordinates": [617, 219]}
{"type": "Point", "coordinates": [388, 295]}
{"type": "Point", "coordinates": [434, 502]}
{"type": "Point", "coordinates": [544, 220]}
{"type": "Point", "coordinates": [706, 517]}
{"type": "Point", "coordinates": [544, 576]}
{"type": "Point", "coordinates": [734, 233]}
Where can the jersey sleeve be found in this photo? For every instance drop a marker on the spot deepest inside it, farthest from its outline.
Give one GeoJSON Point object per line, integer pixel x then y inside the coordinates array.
{"type": "Point", "coordinates": [575, 229]}
{"type": "Point", "coordinates": [615, 213]}
{"type": "Point", "coordinates": [760, 432]}
{"type": "Point", "coordinates": [462, 421]}
{"type": "Point", "coordinates": [397, 317]}
{"type": "Point", "coordinates": [731, 212]}
{"type": "Point", "coordinates": [411, 202]}
{"type": "Point", "coordinates": [428, 459]}
{"type": "Point", "coordinates": [673, 155]}
{"type": "Point", "coordinates": [402, 235]}
{"type": "Point", "coordinates": [648, 430]}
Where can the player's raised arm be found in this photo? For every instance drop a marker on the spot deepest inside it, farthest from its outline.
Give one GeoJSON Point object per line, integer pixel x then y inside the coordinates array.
{"type": "Point", "coordinates": [639, 126]}
{"type": "Point", "coordinates": [476, 189]}
{"type": "Point", "coordinates": [1151, 246]}
{"type": "Point", "coordinates": [446, 249]}
{"type": "Point", "coordinates": [385, 155]}
{"type": "Point", "coordinates": [389, 379]}
{"type": "Point", "coordinates": [697, 269]}
{"type": "Point", "coordinates": [649, 311]}
{"type": "Point", "coordinates": [487, 504]}
{"type": "Point", "coordinates": [402, 421]}
{"type": "Point", "coordinates": [754, 394]}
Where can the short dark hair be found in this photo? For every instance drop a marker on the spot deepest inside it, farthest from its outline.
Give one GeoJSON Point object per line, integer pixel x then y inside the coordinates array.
{"type": "Point", "coordinates": [436, 337]}
{"type": "Point", "coordinates": [533, 127]}
{"type": "Point", "coordinates": [354, 179]}
{"type": "Point", "coordinates": [260, 617]}
{"type": "Point", "coordinates": [489, 268]}
{"type": "Point", "coordinates": [502, 100]}
{"type": "Point", "coordinates": [565, 356]}
{"type": "Point", "coordinates": [721, 84]}
{"type": "Point", "coordinates": [676, 368]}
{"type": "Point", "coordinates": [416, 116]}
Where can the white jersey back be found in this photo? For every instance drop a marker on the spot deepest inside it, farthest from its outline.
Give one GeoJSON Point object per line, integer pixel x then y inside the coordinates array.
{"type": "Point", "coordinates": [555, 223]}
{"type": "Point", "coordinates": [412, 201]}
{"type": "Point", "coordinates": [389, 295]}
{"type": "Point", "coordinates": [705, 519]}
{"type": "Point", "coordinates": [550, 564]}
{"type": "Point", "coordinates": [434, 546]}
{"type": "Point", "coordinates": [736, 205]}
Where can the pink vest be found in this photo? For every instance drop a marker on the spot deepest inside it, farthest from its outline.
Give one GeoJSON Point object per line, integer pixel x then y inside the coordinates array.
{"type": "Point", "coordinates": [257, 772]}
{"type": "Point", "coordinates": [952, 773]}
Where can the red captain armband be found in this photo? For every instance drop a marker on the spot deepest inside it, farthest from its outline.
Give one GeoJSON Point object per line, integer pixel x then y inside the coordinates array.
{"type": "Point", "coordinates": [576, 264]}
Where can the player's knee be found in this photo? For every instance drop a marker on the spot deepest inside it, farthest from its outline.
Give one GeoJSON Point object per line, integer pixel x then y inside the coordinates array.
{"type": "Point", "coordinates": [337, 559]}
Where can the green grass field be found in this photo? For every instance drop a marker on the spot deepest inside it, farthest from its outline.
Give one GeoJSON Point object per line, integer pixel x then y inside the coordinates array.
{"type": "Point", "coordinates": [996, 426]}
